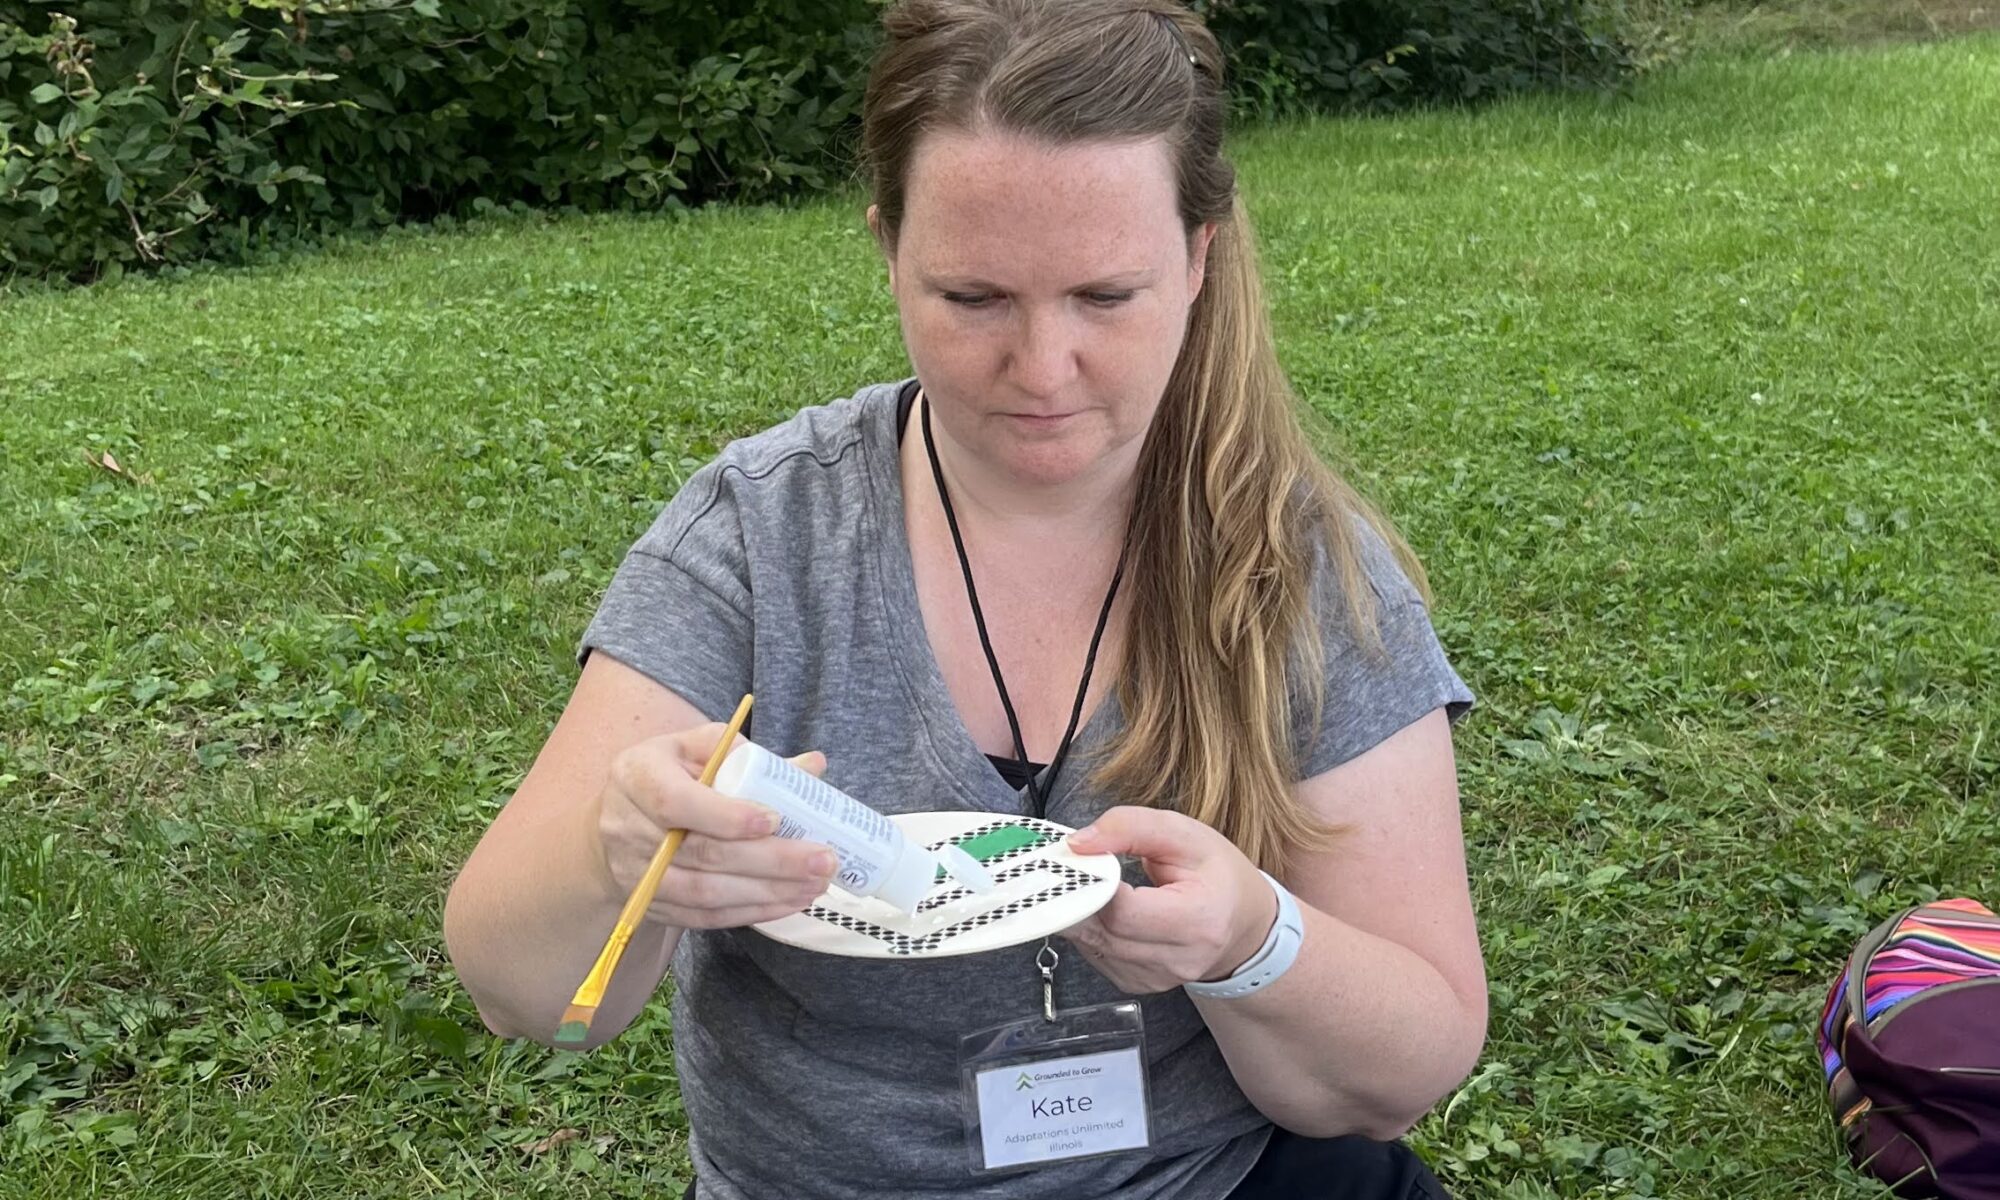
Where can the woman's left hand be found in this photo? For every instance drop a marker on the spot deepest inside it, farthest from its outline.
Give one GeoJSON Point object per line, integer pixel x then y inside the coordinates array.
{"type": "Point", "coordinates": [1209, 913]}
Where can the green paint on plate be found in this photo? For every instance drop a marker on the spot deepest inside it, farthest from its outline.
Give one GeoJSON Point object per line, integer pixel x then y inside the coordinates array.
{"type": "Point", "coordinates": [994, 843]}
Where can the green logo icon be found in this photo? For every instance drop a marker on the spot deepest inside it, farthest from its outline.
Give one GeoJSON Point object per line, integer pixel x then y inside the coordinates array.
{"type": "Point", "coordinates": [1024, 1084]}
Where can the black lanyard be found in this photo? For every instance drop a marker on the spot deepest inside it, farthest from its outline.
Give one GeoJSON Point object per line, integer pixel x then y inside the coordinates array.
{"type": "Point", "coordinates": [1038, 795]}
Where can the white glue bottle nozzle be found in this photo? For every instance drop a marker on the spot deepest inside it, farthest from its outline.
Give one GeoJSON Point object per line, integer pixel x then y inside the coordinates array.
{"type": "Point", "coordinates": [965, 868]}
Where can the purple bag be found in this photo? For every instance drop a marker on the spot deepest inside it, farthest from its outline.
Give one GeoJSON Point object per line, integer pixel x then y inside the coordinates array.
{"type": "Point", "coordinates": [1910, 1040]}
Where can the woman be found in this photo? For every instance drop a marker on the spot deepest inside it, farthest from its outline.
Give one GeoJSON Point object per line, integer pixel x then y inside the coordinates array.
{"type": "Point", "coordinates": [1097, 471]}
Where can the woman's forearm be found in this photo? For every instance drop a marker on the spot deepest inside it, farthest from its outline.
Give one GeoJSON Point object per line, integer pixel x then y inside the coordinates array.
{"type": "Point", "coordinates": [528, 915]}
{"type": "Point", "coordinates": [1361, 1035]}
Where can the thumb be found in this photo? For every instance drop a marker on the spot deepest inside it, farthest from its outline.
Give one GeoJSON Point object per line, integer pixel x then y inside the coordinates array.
{"type": "Point", "coordinates": [1170, 843]}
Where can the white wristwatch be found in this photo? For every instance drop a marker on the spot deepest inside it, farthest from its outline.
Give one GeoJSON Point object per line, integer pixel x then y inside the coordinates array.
{"type": "Point", "coordinates": [1274, 958]}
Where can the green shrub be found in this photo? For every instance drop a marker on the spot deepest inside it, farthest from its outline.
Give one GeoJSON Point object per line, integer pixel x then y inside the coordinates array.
{"type": "Point", "coordinates": [116, 141]}
{"type": "Point", "coordinates": [144, 131]}
{"type": "Point", "coordinates": [149, 131]}
{"type": "Point", "coordinates": [1318, 55]}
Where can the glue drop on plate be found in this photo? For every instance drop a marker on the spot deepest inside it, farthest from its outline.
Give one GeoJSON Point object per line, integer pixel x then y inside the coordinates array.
{"type": "Point", "coordinates": [875, 858]}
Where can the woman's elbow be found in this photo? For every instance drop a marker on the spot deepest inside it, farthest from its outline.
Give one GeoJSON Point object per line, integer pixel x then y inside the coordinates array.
{"type": "Point", "coordinates": [1454, 1069]}
{"type": "Point", "coordinates": [1458, 1060]}
{"type": "Point", "coordinates": [1472, 1044]}
{"type": "Point", "coordinates": [1392, 1112]}
{"type": "Point", "coordinates": [461, 942]}
{"type": "Point", "coordinates": [1380, 1119]}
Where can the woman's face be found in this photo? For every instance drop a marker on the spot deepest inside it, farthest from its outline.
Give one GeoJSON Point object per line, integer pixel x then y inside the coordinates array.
{"type": "Point", "coordinates": [1044, 293]}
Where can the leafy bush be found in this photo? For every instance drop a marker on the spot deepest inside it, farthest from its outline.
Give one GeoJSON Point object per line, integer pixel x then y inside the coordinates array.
{"type": "Point", "coordinates": [147, 131]}
{"type": "Point", "coordinates": [1315, 55]}
{"type": "Point", "coordinates": [151, 130]}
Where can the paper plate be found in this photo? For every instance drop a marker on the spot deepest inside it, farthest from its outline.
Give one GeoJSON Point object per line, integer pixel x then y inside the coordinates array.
{"type": "Point", "coordinates": [1041, 887]}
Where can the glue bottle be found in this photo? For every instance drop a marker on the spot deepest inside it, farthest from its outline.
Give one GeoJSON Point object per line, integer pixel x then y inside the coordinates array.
{"type": "Point", "coordinates": [876, 859]}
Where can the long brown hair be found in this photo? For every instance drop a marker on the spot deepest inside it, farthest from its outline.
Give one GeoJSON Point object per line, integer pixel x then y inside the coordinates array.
{"type": "Point", "coordinates": [1233, 505]}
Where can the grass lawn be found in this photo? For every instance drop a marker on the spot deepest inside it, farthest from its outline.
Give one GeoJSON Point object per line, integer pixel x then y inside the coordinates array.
{"type": "Point", "coordinates": [1689, 398]}
{"type": "Point", "coordinates": [1781, 26]}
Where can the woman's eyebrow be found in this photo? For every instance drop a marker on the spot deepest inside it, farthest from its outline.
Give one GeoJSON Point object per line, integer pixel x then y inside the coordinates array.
{"type": "Point", "coordinates": [1119, 281]}
{"type": "Point", "coordinates": [947, 281]}
{"type": "Point", "coordinates": [1116, 281]}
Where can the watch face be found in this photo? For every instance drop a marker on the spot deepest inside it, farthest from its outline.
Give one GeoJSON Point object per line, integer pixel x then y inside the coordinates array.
{"type": "Point", "coordinates": [1040, 887]}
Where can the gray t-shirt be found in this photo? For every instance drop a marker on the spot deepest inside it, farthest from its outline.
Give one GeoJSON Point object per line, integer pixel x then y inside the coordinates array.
{"type": "Point", "coordinates": [783, 568]}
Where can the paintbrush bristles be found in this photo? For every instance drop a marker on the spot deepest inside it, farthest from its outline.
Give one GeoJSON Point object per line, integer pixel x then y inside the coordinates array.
{"type": "Point", "coordinates": [575, 1028]}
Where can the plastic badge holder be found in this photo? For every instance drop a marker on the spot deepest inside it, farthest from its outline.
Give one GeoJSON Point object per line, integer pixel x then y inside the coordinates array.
{"type": "Point", "coordinates": [1040, 1091]}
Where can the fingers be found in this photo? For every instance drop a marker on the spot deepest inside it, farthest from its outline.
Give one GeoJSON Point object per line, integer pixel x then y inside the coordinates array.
{"type": "Point", "coordinates": [759, 858]}
{"type": "Point", "coordinates": [729, 869]}
{"type": "Point", "coordinates": [694, 747]}
{"type": "Point", "coordinates": [1136, 970]}
{"type": "Point", "coordinates": [1155, 938]}
{"type": "Point", "coordinates": [1171, 844]}
{"type": "Point", "coordinates": [724, 918]}
{"type": "Point", "coordinates": [653, 776]}
{"type": "Point", "coordinates": [1154, 916]}
{"type": "Point", "coordinates": [713, 900]}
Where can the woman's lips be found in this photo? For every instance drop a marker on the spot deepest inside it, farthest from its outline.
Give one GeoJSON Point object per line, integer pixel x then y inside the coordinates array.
{"type": "Point", "coordinates": [1040, 420]}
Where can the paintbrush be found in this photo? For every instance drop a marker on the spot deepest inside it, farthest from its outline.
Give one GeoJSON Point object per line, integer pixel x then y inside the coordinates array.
{"type": "Point", "coordinates": [576, 1019]}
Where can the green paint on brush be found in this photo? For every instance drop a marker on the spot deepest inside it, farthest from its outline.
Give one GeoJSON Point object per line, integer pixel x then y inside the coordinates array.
{"type": "Point", "coordinates": [572, 1033]}
{"type": "Point", "coordinates": [995, 842]}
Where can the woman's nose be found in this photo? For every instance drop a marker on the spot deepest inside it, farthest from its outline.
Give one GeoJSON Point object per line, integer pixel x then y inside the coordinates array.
{"type": "Point", "coordinates": [1043, 360]}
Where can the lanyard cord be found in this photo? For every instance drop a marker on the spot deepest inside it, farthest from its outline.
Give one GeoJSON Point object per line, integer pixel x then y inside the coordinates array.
{"type": "Point", "coordinates": [1038, 795]}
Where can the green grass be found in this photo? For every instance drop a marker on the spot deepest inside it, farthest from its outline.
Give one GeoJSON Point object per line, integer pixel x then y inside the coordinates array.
{"type": "Point", "coordinates": [1691, 400]}
{"type": "Point", "coordinates": [1665, 28]}
{"type": "Point", "coordinates": [1837, 22]}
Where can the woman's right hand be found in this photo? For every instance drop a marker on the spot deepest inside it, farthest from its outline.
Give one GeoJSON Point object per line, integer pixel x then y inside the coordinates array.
{"type": "Point", "coordinates": [730, 870]}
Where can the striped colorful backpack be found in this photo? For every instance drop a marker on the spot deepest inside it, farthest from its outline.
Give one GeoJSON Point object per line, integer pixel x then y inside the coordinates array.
{"type": "Point", "coordinates": [1911, 1044]}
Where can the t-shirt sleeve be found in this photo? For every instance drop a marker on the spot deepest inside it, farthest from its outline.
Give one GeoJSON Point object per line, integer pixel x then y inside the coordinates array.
{"type": "Point", "coordinates": [1375, 688]}
{"type": "Point", "coordinates": [678, 609]}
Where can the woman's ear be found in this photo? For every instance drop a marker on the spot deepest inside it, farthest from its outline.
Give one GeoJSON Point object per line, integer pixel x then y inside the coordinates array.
{"type": "Point", "coordinates": [1198, 258]}
{"type": "Point", "coordinates": [882, 242]}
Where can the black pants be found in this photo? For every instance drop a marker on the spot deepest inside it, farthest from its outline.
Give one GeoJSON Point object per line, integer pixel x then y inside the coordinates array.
{"type": "Point", "coordinates": [1343, 1168]}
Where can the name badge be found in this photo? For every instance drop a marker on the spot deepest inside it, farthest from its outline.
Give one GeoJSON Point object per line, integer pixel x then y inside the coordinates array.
{"type": "Point", "coordinates": [1061, 1108]}
{"type": "Point", "coordinates": [1053, 1090]}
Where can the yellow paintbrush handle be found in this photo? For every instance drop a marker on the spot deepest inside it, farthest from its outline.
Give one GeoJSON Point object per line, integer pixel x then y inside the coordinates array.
{"type": "Point", "coordinates": [590, 993]}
